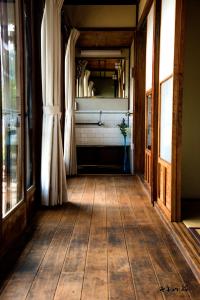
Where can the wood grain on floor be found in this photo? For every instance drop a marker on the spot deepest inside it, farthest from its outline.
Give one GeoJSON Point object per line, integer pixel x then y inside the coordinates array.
{"type": "Point", "coordinates": [106, 243]}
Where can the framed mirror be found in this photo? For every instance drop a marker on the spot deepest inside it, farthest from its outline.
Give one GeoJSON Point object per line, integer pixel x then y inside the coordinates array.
{"type": "Point", "coordinates": [102, 77]}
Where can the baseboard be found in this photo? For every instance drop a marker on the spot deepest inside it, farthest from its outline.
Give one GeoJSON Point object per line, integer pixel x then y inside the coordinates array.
{"type": "Point", "coordinates": [144, 186]}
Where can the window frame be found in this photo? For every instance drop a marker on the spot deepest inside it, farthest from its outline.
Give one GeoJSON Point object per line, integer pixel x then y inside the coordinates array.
{"type": "Point", "coordinates": [18, 16]}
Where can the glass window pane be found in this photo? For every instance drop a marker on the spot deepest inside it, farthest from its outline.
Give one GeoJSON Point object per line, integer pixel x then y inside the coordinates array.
{"type": "Point", "coordinates": [11, 105]}
{"type": "Point", "coordinates": [149, 49]}
{"type": "Point", "coordinates": [167, 34]}
{"type": "Point", "coordinates": [166, 120]}
{"type": "Point", "coordinates": [148, 122]}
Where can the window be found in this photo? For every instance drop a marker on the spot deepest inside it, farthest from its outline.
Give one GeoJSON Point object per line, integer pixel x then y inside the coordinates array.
{"type": "Point", "coordinates": [166, 95]}
{"type": "Point", "coordinates": [10, 86]}
{"type": "Point", "coordinates": [148, 121]}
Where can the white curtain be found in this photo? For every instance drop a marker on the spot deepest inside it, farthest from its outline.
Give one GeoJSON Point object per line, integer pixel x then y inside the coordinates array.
{"type": "Point", "coordinates": [69, 136]}
{"type": "Point", "coordinates": [53, 177]}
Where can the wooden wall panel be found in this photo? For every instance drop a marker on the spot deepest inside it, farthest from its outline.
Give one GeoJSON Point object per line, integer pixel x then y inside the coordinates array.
{"type": "Point", "coordinates": [164, 184]}
{"type": "Point", "coordinates": [12, 227]}
{"type": "Point", "coordinates": [148, 171]}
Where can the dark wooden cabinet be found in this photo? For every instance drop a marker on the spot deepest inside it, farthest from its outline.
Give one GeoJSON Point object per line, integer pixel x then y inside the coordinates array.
{"type": "Point", "coordinates": [98, 159]}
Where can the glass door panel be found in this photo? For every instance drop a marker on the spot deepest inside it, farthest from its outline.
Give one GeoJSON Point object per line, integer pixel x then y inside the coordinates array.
{"type": "Point", "coordinates": [166, 103]}
{"type": "Point", "coordinates": [148, 122]}
{"type": "Point", "coordinates": [11, 106]}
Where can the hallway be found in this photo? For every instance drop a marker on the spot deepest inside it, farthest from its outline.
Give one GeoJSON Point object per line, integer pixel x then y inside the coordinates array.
{"type": "Point", "coordinates": [107, 243]}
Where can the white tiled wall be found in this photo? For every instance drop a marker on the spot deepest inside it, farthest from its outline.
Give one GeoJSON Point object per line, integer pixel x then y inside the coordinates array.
{"type": "Point", "coordinates": [108, 134]}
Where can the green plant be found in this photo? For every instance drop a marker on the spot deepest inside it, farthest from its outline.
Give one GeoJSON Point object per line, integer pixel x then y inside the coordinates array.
{"type": "Point", "coordinates": [123, 127]}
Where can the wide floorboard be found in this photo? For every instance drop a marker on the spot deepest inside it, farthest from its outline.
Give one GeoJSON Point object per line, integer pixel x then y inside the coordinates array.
{"type": "Point", "coordinates": [107, 242]}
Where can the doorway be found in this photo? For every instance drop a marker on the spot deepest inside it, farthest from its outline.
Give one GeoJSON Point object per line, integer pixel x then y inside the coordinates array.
{"type": "Point", "coordinates": [104, 87]}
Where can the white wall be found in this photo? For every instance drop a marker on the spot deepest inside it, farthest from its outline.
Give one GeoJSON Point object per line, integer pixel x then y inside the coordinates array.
{"type": "Point", "coordinates": [104, 104]}
{"type": "Point", "coordinates": [95, 135]}
{"type": "Point", "coordinates": [101, 15]}
{"type": "Point", "coordinates": [113, 111]}
{"type": "Point", "coordinates": [191, 105]}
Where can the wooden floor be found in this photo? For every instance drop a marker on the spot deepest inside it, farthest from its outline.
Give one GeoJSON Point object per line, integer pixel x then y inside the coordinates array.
{"type": "Point", "coordinates": [107, 243]}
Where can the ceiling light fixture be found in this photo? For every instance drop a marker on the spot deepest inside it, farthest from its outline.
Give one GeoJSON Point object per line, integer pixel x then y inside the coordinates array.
{"type": "Point", "coordinates": [101, 53]}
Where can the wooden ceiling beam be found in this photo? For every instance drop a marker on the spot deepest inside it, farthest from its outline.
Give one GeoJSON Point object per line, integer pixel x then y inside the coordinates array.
{"type": "Point", "coordinates": [101, 2]}
{"type": "Point", "coordinates": [106, 29]}
{"type": "Point", "coordinates": [97, 39]}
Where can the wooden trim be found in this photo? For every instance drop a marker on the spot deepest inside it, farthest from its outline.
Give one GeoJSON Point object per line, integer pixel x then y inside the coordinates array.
{"type": "Point", "coordinates": [155, 99]}
{"type": "Point", "coordinates": [148, 156]}
{"type": "Point", "coordinates": [148, 151]}
{"type": "Point", "coordinates": [185, 242]}
{"type": "Point", "coordinates": [166, 78]}
{"type": "Point", "coordinates": [23, 97]}
{"type": "Point", "coordinates": [102, 2]}
{"type": "Point", "coordinates": [19, 12]}
{"type": "Point", "coordinates": [106, 29]}
{"type": "Point", "coordinates": [164, 209]}
{"type": "Point", "coordinates": [177, 108]}
{"type": "Point", "coordinates": [164, 162]}
{"type": "Point", "coordinates": [147, 171]}
{"type": "Point", "coordinates": [13, 211]}
{"type": "Point", "coordinates": [31, 190]}
{"type": "Point", "coordinates": [33, 93]}
{"type": "Point", "coordinates": [145, 187]}
{"type": "Point", "coordinates": [139, 101]}
{"type": "Point", "coordinates": [144, 14]}
{"type": "Point", "coordinates": [148, 93]}
{"type": "Point", "coordinates": [102, 48]}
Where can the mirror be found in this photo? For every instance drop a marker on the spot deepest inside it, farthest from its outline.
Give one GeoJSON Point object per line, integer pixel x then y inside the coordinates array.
{"type": "Point", "coordinates": [102, 77]}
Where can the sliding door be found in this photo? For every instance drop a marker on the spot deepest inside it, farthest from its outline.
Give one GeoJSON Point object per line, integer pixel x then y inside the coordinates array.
{"type": "Point", "coordinates": [16, 119]}
{"type": "Point", "coordinates": [166, 100]}
{"type": "Point", "coordinates": [148, 96]}
{"type": "Point", "coordinates": [11, 103]}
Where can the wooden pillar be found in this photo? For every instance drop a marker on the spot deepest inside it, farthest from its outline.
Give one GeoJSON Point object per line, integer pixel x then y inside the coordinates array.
{"type": "Point", "coordinates": [177, 109]}
{"type": "Point", "coordinates": [139, 101]}
{"type": "Point", "coordinates": [155, 99]}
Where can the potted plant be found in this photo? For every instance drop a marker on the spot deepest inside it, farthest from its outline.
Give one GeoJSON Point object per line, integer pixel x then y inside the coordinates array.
{"type": "Point", "coordinates": [124, 131]}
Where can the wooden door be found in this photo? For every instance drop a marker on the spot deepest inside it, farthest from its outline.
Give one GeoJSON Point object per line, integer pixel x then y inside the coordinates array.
{"type": "Point", "coordinates": [148, 138]}
{"type": "Point", "coordinates": [148, 95]}
{"type": "Point", "coordinates": [170, 107]}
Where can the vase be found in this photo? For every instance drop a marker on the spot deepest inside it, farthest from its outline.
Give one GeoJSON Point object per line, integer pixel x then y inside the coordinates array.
{"type": "Point", "coordinates": [125, 169]}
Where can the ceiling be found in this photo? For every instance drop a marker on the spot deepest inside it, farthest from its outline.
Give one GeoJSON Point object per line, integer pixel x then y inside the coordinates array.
{"type": "Point", "coordinates": [105, 39]}
{"type": "Point", "coordinates": [102, 26]}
